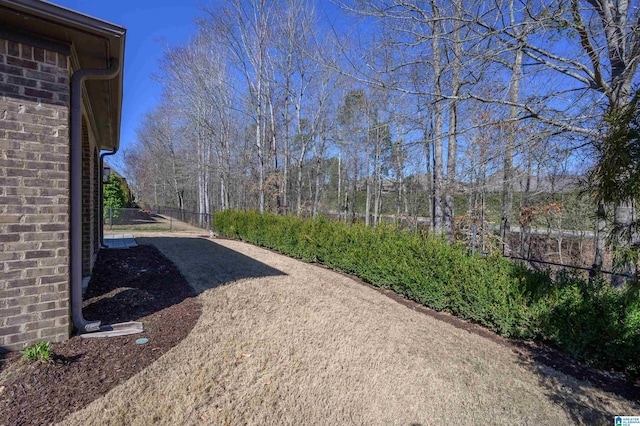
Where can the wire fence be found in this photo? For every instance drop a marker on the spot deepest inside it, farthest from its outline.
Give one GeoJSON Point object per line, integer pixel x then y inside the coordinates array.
{"type": "Point", "coordinates": [544, 247]}
{"type": "Point", "coordinates": [553, 249]}
{"type": "Point", "coordinates": [206, 221]}
{"type": "Point", "coordinates": [156, 218]}
{"type": "Point", "coordinates": [134, 219]}
{"type": "Point", "coordinates": [200, 220]}
{"type": "Point", "coordinates": [548, 249]}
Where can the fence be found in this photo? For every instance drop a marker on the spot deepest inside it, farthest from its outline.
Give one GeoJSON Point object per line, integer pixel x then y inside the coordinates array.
{"type": "Point", "coordinates": [155, 219]}
{"type": "Point", "coordinates": [553, 249]}
{"type": "Point", "coordinates": [200, 220]}
{"type": "Point", "coordinates": [206, 221]}
{"type": "Point", "coordinates": [546, 249]}
{"type": "Point", "coordinates": [129, 219]}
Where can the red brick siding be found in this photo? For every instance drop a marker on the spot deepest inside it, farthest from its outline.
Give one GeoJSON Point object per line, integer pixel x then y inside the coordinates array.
{"type": "Point", "coordinates": [34, 199]}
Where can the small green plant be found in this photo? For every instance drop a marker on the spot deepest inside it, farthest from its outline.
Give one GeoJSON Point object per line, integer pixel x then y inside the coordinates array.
{"type": "Point", "coordinates": [41, 352]}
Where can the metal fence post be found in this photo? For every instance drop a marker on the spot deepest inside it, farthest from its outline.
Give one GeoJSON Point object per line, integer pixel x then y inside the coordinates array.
{"type": "Point", "coordinates": [110, 218]}
{"type": "Point", "coordinates": [170, 222]}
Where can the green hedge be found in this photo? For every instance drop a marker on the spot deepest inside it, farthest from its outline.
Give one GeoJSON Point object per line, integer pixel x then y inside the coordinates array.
{"type": "Point", "coordinates": [589, 320]}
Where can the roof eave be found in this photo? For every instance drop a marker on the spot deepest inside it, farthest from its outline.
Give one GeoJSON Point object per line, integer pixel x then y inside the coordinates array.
{"type": "Point", "coordinates": [83, 26]}
{"type": "Point", "coordinates": [66, 16]}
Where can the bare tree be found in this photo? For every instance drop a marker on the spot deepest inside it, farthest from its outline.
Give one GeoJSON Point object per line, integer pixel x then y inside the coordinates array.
{"type": "Point", "coordinates": [519, 30]}
{"type": "Point", "coordinates": [450, 90]}
{"type": "Point", "coordinates": [595, 59]}
{"type": "Point", "coordinates": [162, 138]}
{"type": "Point", "coordinates": [246, 27]}
{"type": "Point", "coordinates": [455, 63]}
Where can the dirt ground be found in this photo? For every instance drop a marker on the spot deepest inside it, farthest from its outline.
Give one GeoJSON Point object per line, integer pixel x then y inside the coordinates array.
{"type": "Point", "coordinates": [283, 342]}
{"type": "Point", "coordinates": [138, 284]}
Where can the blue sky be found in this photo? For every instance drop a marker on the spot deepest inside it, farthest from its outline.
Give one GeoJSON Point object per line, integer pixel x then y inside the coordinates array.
{"type": "Point", "coordinates": [151, 25]}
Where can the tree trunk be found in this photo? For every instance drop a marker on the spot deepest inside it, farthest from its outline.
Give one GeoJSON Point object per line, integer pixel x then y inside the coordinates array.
{"type": "Point", "coordinates": [437, 124]}
{"type": "Point", "coordinates": [316, 195]}
{"type": "Point", "coordinates": [525, 227]}
{"type": "Point", "coordinates": [287, 135]}
{"type": "Point", "coordinates": [623, 237]}
{"type": "Point", "coordinates": [376, 178]}
{"type": "Point", "coordinates": [274, 151]}
{"type": "Point", "coordinates": [299, 189]}
{"type": "Point", "coordinates": [339, 198]}
{"type": "Point", "coordinates": [449, 202]}
{"type": "Point", "coordinates": [429, 183]}
{"type": "Point", "coordinates": [510, 142]}
{"type": "Point", "coordinates": [260, 155]}
{"type": "Point", "coordinates": [367, 203]}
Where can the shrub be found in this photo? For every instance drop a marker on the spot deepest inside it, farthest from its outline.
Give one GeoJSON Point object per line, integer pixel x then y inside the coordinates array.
{"type": "Point", "coordinates": [114, 196]}
{"type": "Point", "coordinates": [589, 320]}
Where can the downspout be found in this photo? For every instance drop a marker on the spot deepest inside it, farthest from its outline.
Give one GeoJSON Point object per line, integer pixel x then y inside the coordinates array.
{"type": "Point", "coordinates": [75, 187]}
{"type": "Point", "coordinates": [101, 195]}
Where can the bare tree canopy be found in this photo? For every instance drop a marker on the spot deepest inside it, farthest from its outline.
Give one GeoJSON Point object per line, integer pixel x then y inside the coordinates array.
{"type": "Point", "coordinates": [449, 114]}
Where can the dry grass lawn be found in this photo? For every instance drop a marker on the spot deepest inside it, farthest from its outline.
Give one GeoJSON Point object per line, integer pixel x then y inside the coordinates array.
{"type": "Point", "coordinates": [286, 343]}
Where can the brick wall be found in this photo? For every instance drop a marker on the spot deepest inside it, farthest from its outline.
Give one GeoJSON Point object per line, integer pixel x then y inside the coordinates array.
{"type": "Point", "coordinates": [89, 200]}
{"type": "Point", "coordinates": [86, 199]}
{"type": "Point", "coordinates": [97, 180]}
{"type": "Point", "coordinates": [34, 199]}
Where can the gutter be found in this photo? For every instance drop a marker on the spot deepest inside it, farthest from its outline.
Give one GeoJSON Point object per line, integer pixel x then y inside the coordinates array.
{"type": "Point", "coordinates": [75, 188]}
{"type": "Point", "coordinates": [101, 196]}
{"type": "Point", "coordinates": [65, 16]}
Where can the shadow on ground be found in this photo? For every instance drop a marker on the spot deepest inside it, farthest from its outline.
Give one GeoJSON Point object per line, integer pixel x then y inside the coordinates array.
{"type": "Point", "coordinates": [4, 354]}
{"type": "Point", "coordinates": [128, 284]}
{"type": "Point", "coordinates": [206, 264]}
{"type": "Point", "coordinates": [127, 290]}
{"type": "Point", "coordinates": [563, 381]}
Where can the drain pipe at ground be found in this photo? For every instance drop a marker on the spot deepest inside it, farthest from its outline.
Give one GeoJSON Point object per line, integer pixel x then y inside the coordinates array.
{"type": "Point", "coordinates": [75, 189]}
{"type": "Point", "coordinates": [101, 195]}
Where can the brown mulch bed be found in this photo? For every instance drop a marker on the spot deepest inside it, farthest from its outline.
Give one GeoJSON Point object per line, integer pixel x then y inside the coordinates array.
{"type": "Point", "coordinates": [138, 284]}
